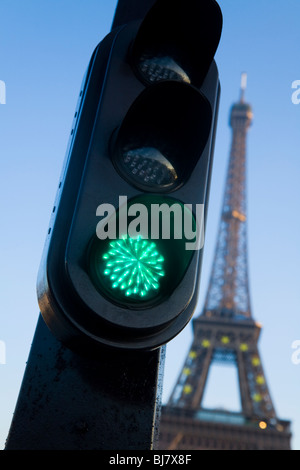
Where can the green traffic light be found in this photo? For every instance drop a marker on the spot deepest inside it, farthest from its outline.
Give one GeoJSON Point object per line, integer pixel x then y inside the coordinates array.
{"type": "Point", "coordinates": [134, 266]}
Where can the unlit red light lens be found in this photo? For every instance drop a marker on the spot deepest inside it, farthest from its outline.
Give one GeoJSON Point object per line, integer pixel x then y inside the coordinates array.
{"type": "Point", "coordinates": [149, 167]}
{"type": "Point", "coordinates": [155, 69]}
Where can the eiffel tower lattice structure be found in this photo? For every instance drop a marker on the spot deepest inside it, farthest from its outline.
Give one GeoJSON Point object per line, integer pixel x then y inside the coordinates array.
{"type": "Point", "coordinates": [226, 332]}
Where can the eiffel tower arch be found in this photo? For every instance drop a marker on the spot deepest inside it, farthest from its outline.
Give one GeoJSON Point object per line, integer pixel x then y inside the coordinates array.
{"type": "Point", "coordinates": [226, 332]}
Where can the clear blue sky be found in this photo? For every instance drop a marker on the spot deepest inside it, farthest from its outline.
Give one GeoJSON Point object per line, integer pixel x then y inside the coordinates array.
{"type": "Point", "coordinates": [45, 47]}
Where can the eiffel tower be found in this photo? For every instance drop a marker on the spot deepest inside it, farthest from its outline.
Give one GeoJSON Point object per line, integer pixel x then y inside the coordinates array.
{"type": "Point", "coordinates": [226, 332]}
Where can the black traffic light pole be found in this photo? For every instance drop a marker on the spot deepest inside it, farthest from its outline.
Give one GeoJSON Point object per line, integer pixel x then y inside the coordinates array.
{"type": "Point", "coordinates": [70, 402]}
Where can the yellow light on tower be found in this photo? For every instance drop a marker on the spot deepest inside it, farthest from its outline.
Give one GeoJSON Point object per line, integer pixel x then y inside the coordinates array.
{"type": "Point", "coordinates": [260, 380]}
{"type": "Point", "coordinates": [187, 389]}
{"type": "Point", "coordinates": [255, 361]}
{"type": "Point", "coordinates": [263, 425]}
{"type": "Point", "coordinates": [257, 397]}
{"type": "Point", "coordinates": [225, 340]}
{"type": "Point", "coordinates": [192, 355]}
{"type": "Point", "coordinates": [238, 215]}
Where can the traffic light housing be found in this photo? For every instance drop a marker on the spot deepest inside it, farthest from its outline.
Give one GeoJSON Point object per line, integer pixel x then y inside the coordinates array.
{"type": "Point", "coordinates": [114, 272]}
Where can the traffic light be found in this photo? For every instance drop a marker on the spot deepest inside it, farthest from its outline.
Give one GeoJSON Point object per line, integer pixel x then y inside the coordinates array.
{"type": "Point", "coordinates": [122, 258]}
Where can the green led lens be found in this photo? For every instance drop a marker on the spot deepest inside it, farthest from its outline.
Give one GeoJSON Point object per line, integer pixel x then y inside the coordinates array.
{"type": "Point", "coordinates": [140, 270]}
{"type": "Point", "coordinates": [134, 266]}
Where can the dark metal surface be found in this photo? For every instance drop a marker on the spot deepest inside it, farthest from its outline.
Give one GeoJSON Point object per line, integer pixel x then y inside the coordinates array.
{"type": "Point", "coordinates": [69, 402]}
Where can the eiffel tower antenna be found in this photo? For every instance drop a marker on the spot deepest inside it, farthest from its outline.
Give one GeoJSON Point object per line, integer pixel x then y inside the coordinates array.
{"type": "Point", "coordinates": [243, 86]}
